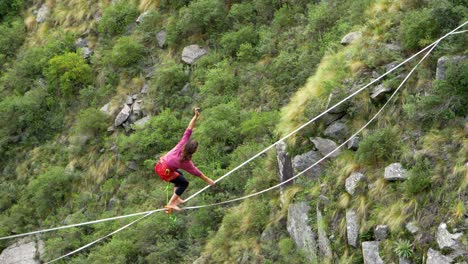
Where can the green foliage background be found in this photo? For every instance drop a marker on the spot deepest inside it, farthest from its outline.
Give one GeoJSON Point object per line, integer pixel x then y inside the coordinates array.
{"type": "Point", "coordinates": [271, 66]}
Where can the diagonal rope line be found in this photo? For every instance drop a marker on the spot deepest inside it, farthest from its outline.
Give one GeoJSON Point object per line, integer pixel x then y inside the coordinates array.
{"type": "Point", "coordinates": [255, 156]}
{"type": "Point", "coordinates": [290, 179]}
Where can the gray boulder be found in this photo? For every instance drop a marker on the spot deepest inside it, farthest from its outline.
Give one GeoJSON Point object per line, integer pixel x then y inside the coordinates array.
{"type": "Point", "coordinates": [304, 161]}
{"type": "Point", "coordinates": [141, 17]}
{"type": "Point", "coordinates": [393, 46]}
{"type": "Point", "coordinates": [324, 244]}
{"type": "Point", "coordinates": [352, 227]}
{"type": "Point", "coordinates": [122, 116]}
{"type": "Point", "coordinates": [403, 260]}
{"type": "Point", "coordinates": [395, 172]}
{"type": "Point", "coordinates": [352, 182]}
{"type": "Point", "coordinates": [351, 37]}
{"type": "Point", "coordinates": [144, 89]}
{"type": "Point", "coordinates": [24, 251]}
{"type": "Point", "coordinates": [300, 231]}
{"type": "Point", "coordinates": [370, 252]}
{"type": "Point", "coordinates": [42, 13]}
{"type": "Point", "coordinates": [435, 257]}
{"type": "Point", "coordinates": [445, 239]}
{"type": "Point", "coordinates": [129, 100]}
{"type": "Point", "coordinates": [336, 131]}
{"type": "Point", "coordinates": [412, 227]}
{"type": "Point", "coordinates": [391, 65]}
{"type": "Point", "coordinates": [86, 53]}
{"type": "Point", "coordinates": [136, 108]}
{"type": "Point", "coordinates": [161, 36]}
{"type": "Point", "coordinates": [106, 109]}
{"type": "Point", "coordinates": [381, 232]}
{"type": "Point", "coordinates": [329, 118]}
{"type": "Point", "coordinates": [192, 53]}
{"type": "Point", "coordinates": [142, 122]}
{"type": "Point", "coordinates": [285, 169]}
{"type": "Point", "coordinates": [81, 43]}
{"type": "Point", "coordinates": [379, 92]}
{"type": "Point", "coordinates": [353, 143]}
{"type": "Point", "coordinates": [443, 62]}
{"type": "Point", "coordinates": [325, 146]}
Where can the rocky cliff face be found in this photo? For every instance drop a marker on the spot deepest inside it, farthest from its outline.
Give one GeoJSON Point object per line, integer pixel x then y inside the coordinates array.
{"type": "Point", "coordinates": [23, 251]}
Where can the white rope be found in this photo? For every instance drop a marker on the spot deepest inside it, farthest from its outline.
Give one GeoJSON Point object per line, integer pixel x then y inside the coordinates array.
{"type": "Point", "coordinates": [252, 158]}
{"type": "Point", "coordinates": [290, 179]}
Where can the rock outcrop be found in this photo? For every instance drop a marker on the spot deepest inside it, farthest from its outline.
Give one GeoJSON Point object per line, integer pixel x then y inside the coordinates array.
{"type": "Point", "coordinates": [435, 257]}
{"type": "Point", "coordinates": [192, 53]}
{"type": "Point", "coordinates": [300, 231]}
{"type": "Point", "coordinates": [24, 251]}
{"type": "Point", "coordinates": [325, 146]}
{"type": "Point", "coordinates": [324, 245]}
{"type": "Point", "coordinates": [351, 37]}
{"type": "Point", "coordinates": [285, 169]}
{"type": "Point", "coordinates": [352, 228]}
{"type": "Point", "coordinates": [395, 172]}
{"type": "Point", "coordinates": [381, 232]}
{"type": "Point", "coordinates": [442, 64]}
{"type": "Point", "coordinates": [303, 161]}
{"type": "Point", "coordinates": [122, 116]}
{"type": "Point", "coordinates": [161, 36]}
{"type": "Point", "coordinates": [370, 252]}
{"type": "Point", "coordinates": [352, 182]}
{"type": "Point", "coordinates": [337, 131]}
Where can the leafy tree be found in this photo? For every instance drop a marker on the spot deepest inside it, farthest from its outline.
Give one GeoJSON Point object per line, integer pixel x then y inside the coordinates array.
{"type": "Point", "coordinates": [232, 41]}
{"type": "Point", "coordinates": [199, 17]}
{"type": "Point", "coordinates": [92, 121]}
{"type": "Point", "coordinates": [117, 17]}
{"type": "Point", "coordinates": [126, 52]}
{"type": "Point", "coordinates": [49, 190]}
{"type": "Point", "coordinates": [12, 35]}
{"type": "Point", "coordinates": [68, 73]}
{"type": "Point", "coordinates": [10, 7]}
{"type": "Point", "coordinates": [167, 85]}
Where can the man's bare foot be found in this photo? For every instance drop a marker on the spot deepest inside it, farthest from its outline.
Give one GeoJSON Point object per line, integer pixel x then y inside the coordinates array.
{"type": "Point", "coordinates": [181, 200]}
{"type": "Point", "coordinates": [175, 207]}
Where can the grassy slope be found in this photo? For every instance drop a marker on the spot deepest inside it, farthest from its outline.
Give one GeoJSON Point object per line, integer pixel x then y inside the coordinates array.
{"type": "Point", "coordinates": [99, 183]}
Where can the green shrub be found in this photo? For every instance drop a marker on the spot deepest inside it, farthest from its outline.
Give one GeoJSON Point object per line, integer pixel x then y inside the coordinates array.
{"type": "Point", "coordinates": [221, 124]}
{"type": "Point", "coordinates": [12, 35]}
{"type": "Point", "coordinates": [34, 122]}
{"type": "Point", "coordinates": [379, 146]}
{"type": "Point", "coordinates": [30, 63]}
{"type": "Point", "coordinates": [419, 177]}
{"type": "Point", "coordinates": [160, 134]}
{"type": "Point", "coordinates": [148, 27]}
{"type": "Point", "coordinates": [242, 13]}
{"type": "Point", "coordinates": [447, 100]}
{"type": "Point", "coordinates": [403, 248]}
{"type": "Point", "coordinates": [284, 17]}
{"type": "Point", "coordinates": [421, 27]}
{"type": "Point", "coordinates": [49, 190]}
{"type": "Point", "coordinates": [126, 52]}
{"type": "Point", "coordinates": [10, 8]}
{"type": "Point", "coordinates": [68, 73]}
{"type": "Point", "coordinates": [167, 84]}
{"type": "Point", "coordinates": [232, 41]}
{"type": "Point", "coordinates": [199, 17]}
{"type": "Point", "coordinates": [92, 121]}
{"type": "Point", "coordinates": [259, 124]}
{"type": "Point", "coordinates": [117, 17]}
{"type": "Point", "coordinates": [220, 81]}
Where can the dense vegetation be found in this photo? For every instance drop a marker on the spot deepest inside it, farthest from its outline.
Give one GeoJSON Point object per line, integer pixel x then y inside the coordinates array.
{"type": "Point", "coordinates": [271, 66]}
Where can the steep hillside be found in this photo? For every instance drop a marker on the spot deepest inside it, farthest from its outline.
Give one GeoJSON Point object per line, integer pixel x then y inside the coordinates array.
{"type": "Point", "coordinates": [93, 92]}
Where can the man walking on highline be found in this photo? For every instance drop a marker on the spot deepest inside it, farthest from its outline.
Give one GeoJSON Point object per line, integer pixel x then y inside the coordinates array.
{"type": "Point", "coordinates": [180, 157]}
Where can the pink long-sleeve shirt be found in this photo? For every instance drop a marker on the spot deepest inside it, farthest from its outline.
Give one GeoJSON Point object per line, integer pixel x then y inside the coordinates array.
{"type": "Point", "coordinates": [172, 158]}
